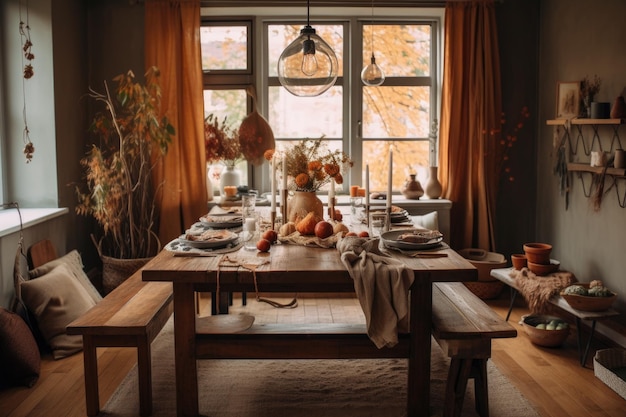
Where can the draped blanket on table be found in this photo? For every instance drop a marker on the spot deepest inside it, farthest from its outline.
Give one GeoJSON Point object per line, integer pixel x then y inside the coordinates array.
{"type": "Point", "coordinates": [382, 286]}
{"type": "Point", "coordinates": [537, 290]}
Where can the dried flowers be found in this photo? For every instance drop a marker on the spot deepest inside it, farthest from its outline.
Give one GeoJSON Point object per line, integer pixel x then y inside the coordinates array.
{"type": "Point", "coordinates": [590, 87]}
{"type": "Point", "coordinates": [506, 142]}
{"type": "Point", "coordinates": [221, 143]}
{"type": "Point", "coordinates": [310, 164]}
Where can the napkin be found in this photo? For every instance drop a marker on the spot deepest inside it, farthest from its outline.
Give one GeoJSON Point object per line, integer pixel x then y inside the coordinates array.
{"type": "Point", "coordinates": [382, 286]}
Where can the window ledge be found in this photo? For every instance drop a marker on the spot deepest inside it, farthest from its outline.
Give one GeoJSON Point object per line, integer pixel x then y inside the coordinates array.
{"type": "Point", "coordinates": [10, 219]}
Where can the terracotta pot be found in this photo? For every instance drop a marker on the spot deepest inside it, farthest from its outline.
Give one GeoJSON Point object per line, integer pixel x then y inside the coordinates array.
{"type": "Point", "coordinates": [433, 186]}
{"type": "Point", "coordinates": [518, 260]}
{"type": "Point", "coordinates": [302, 203]}
{"type": "Point", "coordinates": [618, 111]}
{"type": "Point", "coordinates": [538, 253]}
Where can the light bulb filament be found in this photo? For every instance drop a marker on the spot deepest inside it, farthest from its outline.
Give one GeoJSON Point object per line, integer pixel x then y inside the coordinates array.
{"type": "Point", "coordinates": [309, 61]}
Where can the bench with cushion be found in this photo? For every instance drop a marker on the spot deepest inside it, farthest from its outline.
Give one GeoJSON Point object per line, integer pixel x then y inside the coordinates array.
{"type": "Point", "coordinates": [131, 315]}
{"type": "Point", "coordinates": [464, 326]}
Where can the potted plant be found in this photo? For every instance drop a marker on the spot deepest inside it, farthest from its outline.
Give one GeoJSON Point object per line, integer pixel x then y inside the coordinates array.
{"type": "Point", "coordinates": [119, 192]}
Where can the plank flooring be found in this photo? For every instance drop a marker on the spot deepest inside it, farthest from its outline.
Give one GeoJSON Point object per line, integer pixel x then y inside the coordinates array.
{"type": "Point", "coordinates": [550, 378]}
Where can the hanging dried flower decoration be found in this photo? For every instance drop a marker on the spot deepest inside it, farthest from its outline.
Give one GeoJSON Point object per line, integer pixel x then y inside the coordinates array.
{"type": "Point", "coordinates": [29, 72]}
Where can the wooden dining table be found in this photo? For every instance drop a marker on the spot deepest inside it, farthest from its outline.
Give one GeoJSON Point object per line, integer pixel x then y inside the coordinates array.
{"type": "Point", "coordinates": [299, 269]}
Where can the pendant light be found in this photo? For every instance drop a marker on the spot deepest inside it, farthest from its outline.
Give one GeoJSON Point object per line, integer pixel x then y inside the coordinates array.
{"type": "Point", "coordinates": [372, 75]}
{"type": "Point", "coordinates": [308, 66]}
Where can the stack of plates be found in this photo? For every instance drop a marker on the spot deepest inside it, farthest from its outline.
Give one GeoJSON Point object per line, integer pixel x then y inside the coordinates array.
{"type": "Point", "coordinates": [432, 239]}
{"type": "Point", "coordinates": [210, 239]}
{"type": "Point", "coordinates": [224, 221]}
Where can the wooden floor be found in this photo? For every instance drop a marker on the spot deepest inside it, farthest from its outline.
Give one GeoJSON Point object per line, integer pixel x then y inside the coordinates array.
{"type": "Point", "coordinates": [551, 378]}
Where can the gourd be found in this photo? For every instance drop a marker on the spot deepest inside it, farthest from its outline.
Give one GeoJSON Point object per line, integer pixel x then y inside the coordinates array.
{"type": "Point", "coordinates": [600, 292]}
{"type": "Point", "coordinates": [575, 290]}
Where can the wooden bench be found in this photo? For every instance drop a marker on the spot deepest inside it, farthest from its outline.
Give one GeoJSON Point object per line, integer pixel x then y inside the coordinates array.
{"type": "Point", "coordinates": [131, 315]}
{"type": "Point", "coordinates": [464, 326]}
{"type": "Point", "coordinates": [503, 274]}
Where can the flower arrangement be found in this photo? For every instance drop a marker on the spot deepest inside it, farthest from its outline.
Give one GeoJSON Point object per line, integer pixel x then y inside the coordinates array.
{"type": "Point", "coordinates": [310, 164]}
{"type": "Point", "coordinates": [590, 87]}
{"type": "Point", "coordinates": [221, 142]}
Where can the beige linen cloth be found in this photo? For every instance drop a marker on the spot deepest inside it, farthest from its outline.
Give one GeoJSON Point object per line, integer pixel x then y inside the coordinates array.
{"type": "Point", "coordinates": [382, 286]}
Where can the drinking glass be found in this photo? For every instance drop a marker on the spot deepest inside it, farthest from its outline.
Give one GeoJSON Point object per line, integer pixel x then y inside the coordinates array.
{"type": "Point", "coordinates": [248, 204]}
{"type": "Point", "coordinates": [378, 223]}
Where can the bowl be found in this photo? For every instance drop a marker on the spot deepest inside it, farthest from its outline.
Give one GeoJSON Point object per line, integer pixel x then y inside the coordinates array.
{"type": "Point", "coordinates": [588, 302]}
{"type": "Point", "coordinates": [518, 260]}
{"type": "Point", "coordinates": [541, 337]}
{"type": "Point", "coordinates": [484, 261]}
{"type": "Point", "coordinates": [538, 253]}
{"type": "Point", "coordinates": [544, 269]}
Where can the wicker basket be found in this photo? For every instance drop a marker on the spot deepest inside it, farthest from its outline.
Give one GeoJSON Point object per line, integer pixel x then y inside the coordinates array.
{"type": "Point", "coordinates": [484, 261]}
{"type": "Point", "coordinates": [609, 366]}
{"type": "Point", "coordinates": [485, 290]}
{"type": "Point", "coordinates": [115, 271]}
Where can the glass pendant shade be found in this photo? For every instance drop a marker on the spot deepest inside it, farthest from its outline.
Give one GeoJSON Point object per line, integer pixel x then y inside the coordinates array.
{"type": "Point", "coordinates": [308, 66]}
{"type": "Point", "coordinates": [372, 75]}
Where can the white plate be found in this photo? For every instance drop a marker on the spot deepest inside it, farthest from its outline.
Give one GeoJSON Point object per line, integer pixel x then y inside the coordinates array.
{"type": "Point", "coordinates": [221, 221]}
{"type": "Point", "coordinates": [207, 244]}
{"type": "Point", "coordinates": [390, 239]}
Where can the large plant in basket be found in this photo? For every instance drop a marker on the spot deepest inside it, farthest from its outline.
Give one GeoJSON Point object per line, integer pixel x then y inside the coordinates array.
{"type": "Point", "coordinates": [132, 138]}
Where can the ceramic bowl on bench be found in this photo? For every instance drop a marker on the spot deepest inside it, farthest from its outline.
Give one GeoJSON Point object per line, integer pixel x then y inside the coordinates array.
{"type": "Point", "coordinates": [544, 337]}
{"type": "Point", "coordinates": [588, 302]}
{"type": "Point", "coordinates": [544, 269]}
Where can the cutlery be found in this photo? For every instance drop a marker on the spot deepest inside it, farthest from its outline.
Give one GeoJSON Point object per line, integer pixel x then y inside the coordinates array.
{"type": "Point", "coordinates": [194, 254]}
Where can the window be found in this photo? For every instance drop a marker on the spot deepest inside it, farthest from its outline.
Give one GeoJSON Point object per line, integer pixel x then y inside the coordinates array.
{"type": "Point", "coordinates": [361, 120]}
{"type": "Point", "coordinates": [227, 68]}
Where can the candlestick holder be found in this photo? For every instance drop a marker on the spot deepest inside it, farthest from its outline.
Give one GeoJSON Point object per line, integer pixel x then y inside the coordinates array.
{"type": "Point", "coordinates": [283, 205]}
{"type": "Point", "coordinates": [367, 215]}
{"type": "Point", "coordinates": [388, 220]}
{"type": "Point", "coordinates": [273, 219]}
{"type": "Point", "coordinates": [331, 208]}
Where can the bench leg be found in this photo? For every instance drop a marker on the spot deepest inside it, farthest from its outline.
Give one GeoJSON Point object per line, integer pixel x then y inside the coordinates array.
{"type": "Point", "coordinates": [458, 375]}
{"type": "Point", "coordinates": [480, 387]}
{"type": "Point", "coordinates": [90, 360]}
{"type": "Point", "coordinates": [144, 372]}
{"type": "Point", "coordinates": [512, 302]}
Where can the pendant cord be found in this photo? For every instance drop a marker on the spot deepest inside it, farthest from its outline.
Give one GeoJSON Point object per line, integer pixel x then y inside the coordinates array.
{"type": "Point", "coordinates": [372, 28]}
{"type": "Point", "coordinates": [308, 12]}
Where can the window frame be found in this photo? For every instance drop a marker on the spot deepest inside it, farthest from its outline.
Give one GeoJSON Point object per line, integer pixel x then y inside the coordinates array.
{"type": "Point", "coordinates": [352, 103]}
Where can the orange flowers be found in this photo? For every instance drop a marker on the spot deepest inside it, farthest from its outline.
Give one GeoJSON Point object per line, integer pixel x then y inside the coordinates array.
{"type": "Point", "coordinates": [312, 165]}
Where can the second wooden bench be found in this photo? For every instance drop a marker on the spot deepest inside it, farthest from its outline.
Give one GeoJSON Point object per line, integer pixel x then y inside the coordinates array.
{"type": "Point", "coordinates": [464, 326]}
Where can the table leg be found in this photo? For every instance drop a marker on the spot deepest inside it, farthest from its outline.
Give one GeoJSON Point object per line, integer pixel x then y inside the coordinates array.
{"type": "Point", "coordinates": [418, 393]}
{"type": "Point", "coordinates": [185, 350]}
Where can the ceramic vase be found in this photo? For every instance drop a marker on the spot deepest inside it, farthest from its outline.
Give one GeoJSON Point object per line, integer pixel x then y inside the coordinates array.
{"type": "Point", "coordinates": [412, 188]}
{"type": "Point", "coordinates": [302, 203]}
{"type": "Point", "coordinates": [433, 186]}
{"type": "Point", "coordinates": [231, 176]}
{"type": "Point", "coordinates": [618, 111]}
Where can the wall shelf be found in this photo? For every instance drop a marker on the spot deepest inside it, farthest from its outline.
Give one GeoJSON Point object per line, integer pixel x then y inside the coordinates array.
{"type": "Point", "coordinates": [569, 149]}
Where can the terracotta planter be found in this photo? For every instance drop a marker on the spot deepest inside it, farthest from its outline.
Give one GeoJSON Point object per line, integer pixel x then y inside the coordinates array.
{"type": "Point", "coordinates": [538, 253]}
{"type": "Point", "coordinates": [518, 260]}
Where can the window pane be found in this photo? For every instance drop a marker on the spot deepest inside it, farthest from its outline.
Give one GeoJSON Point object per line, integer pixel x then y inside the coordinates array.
{"type": "Point", "coordinates": [226, 103]}
{"type": "Point", "coordinates": [232, 105]}
{"type": "Point", "coordinates": [400, 50]}
{"type": "Point", "coordinates": [409, 157]}
{"type": "Point", "coordinates": [280, 36]}
{"type": "Point", "coordinates": [405, 113]}
{"type": "Point", "coordinates": [305, 117]}
{"type": "Point", "coordinates": [224, 47]}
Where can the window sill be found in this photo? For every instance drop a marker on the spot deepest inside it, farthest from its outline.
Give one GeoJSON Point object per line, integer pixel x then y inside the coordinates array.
{"type": "Point", "coordinates": [10, 219]}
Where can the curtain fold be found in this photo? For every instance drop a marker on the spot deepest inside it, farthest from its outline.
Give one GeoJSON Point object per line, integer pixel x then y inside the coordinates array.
{"type": "Point", "coordinates": [471, 107]}
{"type": "Point", "coordinates": [172, 43]}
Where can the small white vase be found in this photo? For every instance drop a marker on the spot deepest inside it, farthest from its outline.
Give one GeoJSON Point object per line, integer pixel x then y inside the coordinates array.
{"type": "Point", "coordinates": [231, 176]}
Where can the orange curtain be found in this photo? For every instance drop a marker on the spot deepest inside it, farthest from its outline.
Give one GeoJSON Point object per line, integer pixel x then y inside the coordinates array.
{"type": "Point", "coordinates": [172, 43]}
{"type": "Point", "coordinates": [471, 108]}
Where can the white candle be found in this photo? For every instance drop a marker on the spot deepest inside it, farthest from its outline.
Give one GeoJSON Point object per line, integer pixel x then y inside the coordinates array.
{"type": "Point", "coordinates": [250, 224]}
{"type": "Point", "coordinates": [273, 186]}
{"type": "Point", "coordinates": [367, 185]}
{"type": "Point", "coordinates": [390, 179]}
{"type": "Point", "coordinates": [284, 171]}
{"type": "Point", "coordinates": [331, 191]}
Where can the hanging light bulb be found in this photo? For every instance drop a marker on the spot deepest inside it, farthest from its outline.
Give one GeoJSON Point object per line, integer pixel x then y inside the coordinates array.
{"type": "Point", "coordinates": [308, 65]}
{"type": "Point", "coordinates": [372, 75]}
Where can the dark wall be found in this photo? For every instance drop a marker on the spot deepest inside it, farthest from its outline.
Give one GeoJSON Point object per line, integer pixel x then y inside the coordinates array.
{"type": "Point", "coordinates": [518, 34]}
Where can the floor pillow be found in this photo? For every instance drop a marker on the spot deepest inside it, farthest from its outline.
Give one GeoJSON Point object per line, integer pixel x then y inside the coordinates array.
{"type": "Point", "coordinates": [75, 263]}
{"type": "Point", "coordinates": [19, 356]}
{"type": "Point", "coordinates": [56, 299]}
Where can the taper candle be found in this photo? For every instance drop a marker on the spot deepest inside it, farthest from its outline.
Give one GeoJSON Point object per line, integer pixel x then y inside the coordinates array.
{"type": "Point", "coordinates": [273, 185]}
{"type": "Point", "coordinates": [367, 185]}
{"type": "Point", "coordinates": [390, 179]}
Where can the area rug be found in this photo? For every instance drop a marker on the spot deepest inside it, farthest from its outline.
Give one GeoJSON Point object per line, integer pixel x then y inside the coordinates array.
{"type": "Point", "coordinates": [304, 388]}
